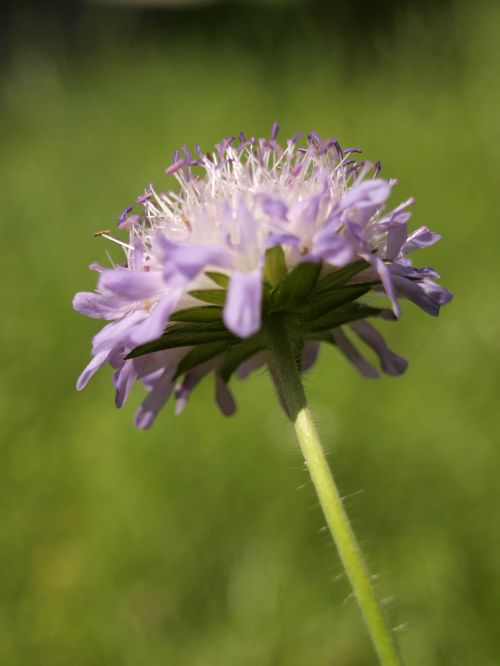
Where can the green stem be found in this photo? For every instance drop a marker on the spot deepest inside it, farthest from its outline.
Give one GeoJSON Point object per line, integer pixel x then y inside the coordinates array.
{"type": "Point", "coordinates": [287, 378]}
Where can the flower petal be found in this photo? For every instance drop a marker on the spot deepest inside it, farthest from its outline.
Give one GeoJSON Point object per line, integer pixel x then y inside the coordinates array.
{"type": "Point", "coordinates": [224, 397]}
{"type": "Point", "coordinates": [367, 194]}
{"type": "Point", "coordinates": [242, 312]}
{"type": "Point", "coordinates": [436, 292]}
{"type": "Point", "coordinates": [363, 200]}
{"type": "Point", "coordinates": [253, 363]}
{"type": "Point", "coordinates": [97, 362]}
{"type": "Point", "coordinates": [333, 248]}
{"type": "Point", "coordinates": [353, 355]}
{"type": "Point", "coordinates": [154, 401]}
{"type": "Point", "coordinates": [396, 238]}
{"type": "Point", "coordinates": [130, 284]}
{"type": "Point", "coordinates": [98, 306]}
{"type": "Point", "coordinates": [422, 237]}
{"type": "Point", "coordinates": [391, 363]}
{"type": "Point", "coordinates": [425, 293]}
{"type": "Point", "coordinates": [183, 262]}
{"type": "Point", "coordinates": [275, 208]}
{"type": "Point", "coordinates": [183, 390]}
{"type": "Point", "coordinates": [275, 238]}
{"type": "Point", "coordinates": [123, 379]}
{"type": "Point", "coordinates": [247, 230]}
{"type": "Point", "coordinates": [386, 279]}
{"type": "Point", "coordinates": [153, 326]}
{"type": "Point", "coordinates": [117, 334]}
{"type": "Point", "coordinates": [309, 355]}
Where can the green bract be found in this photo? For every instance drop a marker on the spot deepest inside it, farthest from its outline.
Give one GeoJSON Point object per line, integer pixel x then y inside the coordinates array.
{"type": "Point", "coordinates": [313, 306]}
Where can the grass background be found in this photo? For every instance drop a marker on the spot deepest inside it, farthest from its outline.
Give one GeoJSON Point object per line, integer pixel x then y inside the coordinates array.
{"type": "Point", "coordinates": [200, 542]}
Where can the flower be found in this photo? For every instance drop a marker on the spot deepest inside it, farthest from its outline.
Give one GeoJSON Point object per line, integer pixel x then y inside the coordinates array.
{"type": "Point", "coordinates": [253, 228]}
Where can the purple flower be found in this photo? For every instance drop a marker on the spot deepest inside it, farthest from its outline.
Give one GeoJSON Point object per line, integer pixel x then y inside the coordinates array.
{"type": "Point", "coordinates": [253, 228]}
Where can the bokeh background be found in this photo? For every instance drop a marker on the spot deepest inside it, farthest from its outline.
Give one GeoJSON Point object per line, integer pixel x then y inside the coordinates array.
{"type": "Point", "coordinates": [200, 542]}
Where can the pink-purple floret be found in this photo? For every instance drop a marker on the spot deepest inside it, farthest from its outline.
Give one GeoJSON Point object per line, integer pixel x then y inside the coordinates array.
{"type": "Point", "coordinates": [139, 298]}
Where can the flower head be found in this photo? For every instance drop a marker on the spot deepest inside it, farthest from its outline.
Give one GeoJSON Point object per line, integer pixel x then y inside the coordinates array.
{"type": "Point", "coordinates": [253, 228]}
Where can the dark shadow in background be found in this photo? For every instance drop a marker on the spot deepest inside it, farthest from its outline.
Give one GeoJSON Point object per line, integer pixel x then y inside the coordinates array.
{"type": "Point", "coordinates": [71, 29]}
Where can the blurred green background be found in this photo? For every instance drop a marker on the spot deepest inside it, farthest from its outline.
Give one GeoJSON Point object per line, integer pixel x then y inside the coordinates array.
{"type": "Point", "coordinates": [200, 542]}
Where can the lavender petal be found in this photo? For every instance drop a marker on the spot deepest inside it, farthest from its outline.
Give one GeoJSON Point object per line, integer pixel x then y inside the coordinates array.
{"type": "Point", "coordinates": [224, 397]}
{"type": "Point", "coordinates": [117, 333]}
{"type": "Point", "coordinates": [329, 246]}
{"type": "Point", "coordinates": [391, 363]}
{"type": "Point", "coordinates": [98, 306]}
{"type": "Point", "coordinates": [309, 355]}
{"type": "Point", "coordinates": [426, 294]}
{"type": "Point", "coordinates": [154, 401]}
{"type": "Point", "coordinates": [183, 262]}
{"type": "Point", "coordinates": [353, 355]}
{"type": "Point", "coordinates": [253, 363]}
{"type": "Point", "coordinates": [422, 237]}
{"type": "Point", "coordinates": [242, 312]}
{"type": "Point", "coordinates": [131, 285]}
{"type": "Point", "coordinates": [123, 379]}
{"type": "Point", "coordinates": [97, 362]}
{"type": "Point", "coordinates": [183, 390]}
{"type": "Point", "coordinates": [154, 325]}
{"type": "Point", "coordinates": [387, 280]}
{"type": "Point", "coordinates": [396, 238]}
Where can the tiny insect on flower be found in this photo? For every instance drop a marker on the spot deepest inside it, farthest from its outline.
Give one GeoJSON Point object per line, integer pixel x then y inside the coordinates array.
{"type": "Point", "coordinates": [252, 229]}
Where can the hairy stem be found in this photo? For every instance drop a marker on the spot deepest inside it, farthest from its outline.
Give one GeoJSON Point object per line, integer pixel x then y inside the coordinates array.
{"type": "Point", "coordinates": [288, 383]}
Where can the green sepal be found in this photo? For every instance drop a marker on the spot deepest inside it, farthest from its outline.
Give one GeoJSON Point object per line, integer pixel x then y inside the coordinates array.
{"type": "Point", "coordinates": [198, 355]}
{"type": "Point", "coordinates": [326, 301]}
{"type": "Point", "coordinates": [239, 352]}
{"type": "Point", "coordinates": [203, 313]}
{"type": "Point", "coordinates": [296, 287]}
{"type": "Point", "coordinates": [212, 296]}
{"type": "Point", "coordinates": [321, 336]}
{"type": "Point", "coordinates": [342, 315]}
{"type": "Point", "coordinates": [220, 279]}
{"type": "Point", "coordinates": [267, 292]}
{"type": "Point", "coordinates": [341, 276]}
{"type": "Point", "coordinates": [275, 266]}
{"type": "Point", "coordinates": [196, 326]}
{"type": "Point", "coordinates": [185, 335]}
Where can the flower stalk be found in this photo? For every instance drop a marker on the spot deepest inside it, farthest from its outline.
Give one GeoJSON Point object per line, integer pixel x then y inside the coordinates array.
{"type": "Point", "coordinates": [284, 354]}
